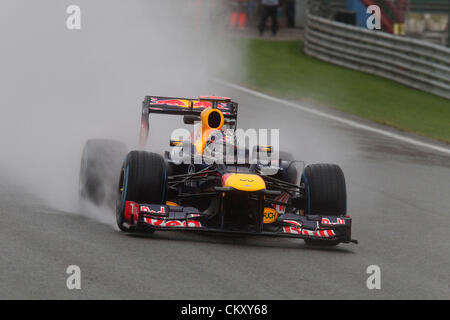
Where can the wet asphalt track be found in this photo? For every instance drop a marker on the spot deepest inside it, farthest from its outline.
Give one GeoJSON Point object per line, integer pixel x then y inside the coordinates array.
{"type": "Point", "coordinates": [398, 196]}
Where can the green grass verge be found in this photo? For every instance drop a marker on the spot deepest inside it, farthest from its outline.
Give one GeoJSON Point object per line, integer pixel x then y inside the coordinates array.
{"type": "Point", "coordinates": [280, 68]}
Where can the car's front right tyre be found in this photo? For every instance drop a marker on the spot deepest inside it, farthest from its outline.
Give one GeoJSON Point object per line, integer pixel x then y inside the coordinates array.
{"type": "Point", "coordinates": [326, 195]}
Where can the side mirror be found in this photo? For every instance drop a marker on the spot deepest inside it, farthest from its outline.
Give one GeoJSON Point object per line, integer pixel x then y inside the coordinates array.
{"type": "Point", "coordinates": [174, 143]}
{"type": "Point", "coordinates": [267, 149]}
{"type": "Point", "coordinates": [190, 119]}
{"type": "Point", "coordinates": [230, 122]}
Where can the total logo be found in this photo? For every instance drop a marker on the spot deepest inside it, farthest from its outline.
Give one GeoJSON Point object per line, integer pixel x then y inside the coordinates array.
{"type": "Point", "coordinates": [327, 221]}
{"type": "Point", "coordinates": [162, 210]}
{"type": "Point", "coordinates": [173, 223]}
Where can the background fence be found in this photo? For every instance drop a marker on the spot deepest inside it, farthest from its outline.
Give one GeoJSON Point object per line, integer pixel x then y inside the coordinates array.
{"type": "Point", "coordinates": [433, 6]}
{"type": "Point", "coordinates": [420, 19]}
{"type": "Point", "coordinates": [417, 64]}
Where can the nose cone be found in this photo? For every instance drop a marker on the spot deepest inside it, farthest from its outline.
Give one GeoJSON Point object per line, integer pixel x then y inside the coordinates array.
{"type": "Point", "coordinates": [243, 182]}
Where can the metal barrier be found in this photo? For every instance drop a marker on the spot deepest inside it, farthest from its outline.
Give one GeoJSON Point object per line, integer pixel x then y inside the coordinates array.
{"type": "Point", "coordinates": [434, 6]}
{"type": "Point", "coordinates": [417, 64]}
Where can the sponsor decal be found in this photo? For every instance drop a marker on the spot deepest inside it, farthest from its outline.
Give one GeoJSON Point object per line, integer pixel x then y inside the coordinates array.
{"type": "Point", "coordinates": [131, 211]}
{"type": "Point", "coordinates": [202, 104]}
{"type": "Point", "coordinates": [171, 102]}
{"type": "Point", "coordinates": [328, 222]}
{"type": "Point", "coordinates": [173, 223]}
{"type": "Point", "coordinates": [318, 233]}
{"type": "Point", "coordinates": [186, 103]}
{"type": "Point", "coordinates": [270, 215]}
{"type": "Point", "coordinates": [161, 211]}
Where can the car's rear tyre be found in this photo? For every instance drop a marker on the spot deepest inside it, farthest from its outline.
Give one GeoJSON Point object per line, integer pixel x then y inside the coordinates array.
{"type": "Point", "coordinates": [143, 179]}
{"type": "Point", "coordinates": [100, 161]}
{"type": "Point", "coordinates": [325, 193]}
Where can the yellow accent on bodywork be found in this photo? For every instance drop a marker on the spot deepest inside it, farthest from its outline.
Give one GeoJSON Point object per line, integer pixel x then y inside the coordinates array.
{"type": "Point", "coordinates": [172, 204]}
{"type": "Point", "coordinates": [270, 215]}
{"type": "Point", "coordinates": [204, 116]}
{"type": "Point", "coordinates": [200, 143]}
{"type": "Point", "coordinates": [245, 182]}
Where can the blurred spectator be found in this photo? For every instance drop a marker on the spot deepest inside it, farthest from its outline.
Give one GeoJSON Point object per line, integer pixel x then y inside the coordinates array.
{"type": "Point", "coordinates": [238, 14]}
{"type": "Point", "coordinates": [290, 13]}
{"type": "Point", "coordinates": [269, 9]}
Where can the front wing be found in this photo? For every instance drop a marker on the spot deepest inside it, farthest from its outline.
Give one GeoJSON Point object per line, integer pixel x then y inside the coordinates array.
{"type": "Point", "coordinates": [170, 218]}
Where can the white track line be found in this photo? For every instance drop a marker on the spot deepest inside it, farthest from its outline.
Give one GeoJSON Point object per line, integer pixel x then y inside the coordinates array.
{"type": "Point", "coordinates": [339, 119]}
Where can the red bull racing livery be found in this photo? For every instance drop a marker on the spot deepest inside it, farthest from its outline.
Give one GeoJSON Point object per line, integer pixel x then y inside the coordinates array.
{"type": "Point", "coordinates": [205, 190]}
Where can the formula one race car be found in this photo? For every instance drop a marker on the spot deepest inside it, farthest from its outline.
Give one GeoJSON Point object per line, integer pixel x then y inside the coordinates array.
{"type": "Point", "coordinates": [200, 187]}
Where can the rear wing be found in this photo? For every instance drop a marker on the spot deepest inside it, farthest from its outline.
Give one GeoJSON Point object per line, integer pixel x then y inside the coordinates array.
{"type": "Point", "coordinates": [183, 106]}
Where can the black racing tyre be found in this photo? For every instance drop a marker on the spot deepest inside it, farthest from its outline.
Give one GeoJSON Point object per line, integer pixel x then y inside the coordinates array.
{"type": "Point", "coordinates": [325, 194]}
{"type": "Point", "coordinates": [100, 162]}
{"type": "Point", "coordinates": [143, 179]}
{"type": "Point", "coordinates": [325, 190]}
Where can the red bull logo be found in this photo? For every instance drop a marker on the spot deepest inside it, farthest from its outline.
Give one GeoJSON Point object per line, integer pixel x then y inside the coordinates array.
{"type": "Point", "coordinates": [186, 103]}
{"type": "Point", "coordinates": [172, 102]}
{"type": "Point", "coordinates": [202, 104]}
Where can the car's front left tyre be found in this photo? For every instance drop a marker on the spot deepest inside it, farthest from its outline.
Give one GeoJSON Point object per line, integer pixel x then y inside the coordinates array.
{"type": "Point", "coordinates": [143, 179]}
